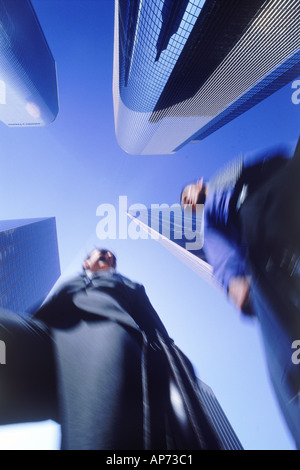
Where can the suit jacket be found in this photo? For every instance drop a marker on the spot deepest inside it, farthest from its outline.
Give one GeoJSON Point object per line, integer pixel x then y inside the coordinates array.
{"type": "Point", "coordinates": [108, 294]}
{"type": "Point", "coordinates": [224, 246]}
{"type": "Point", "coordinates": [115, 297]}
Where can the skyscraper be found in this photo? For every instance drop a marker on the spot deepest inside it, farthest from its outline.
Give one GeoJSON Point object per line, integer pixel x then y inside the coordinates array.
{"type": "Point", "coordinates": [28, 83]}
{"type": "Point", "coordinates": [218, 418]}
{"type": "Point", "coordinates": [180, 232]}
{"type": "Point", "coordinates": [29, 263]}
{"type": "Point", "coordinates": [184, 69]}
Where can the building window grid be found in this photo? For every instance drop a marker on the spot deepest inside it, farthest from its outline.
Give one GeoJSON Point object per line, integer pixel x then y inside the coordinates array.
{"type": "Point", "coordinates": [212, 110]}
{"type": "Point", "coordinates": [17, 288]}
{"type": "Point", "coordinates": [145, 51]}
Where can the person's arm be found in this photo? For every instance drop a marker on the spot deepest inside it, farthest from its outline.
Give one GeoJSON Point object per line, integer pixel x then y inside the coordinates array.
{"type": "Point", "coordinates": [239, 293]}
{"type": "Point", "coordinates": [229, 267]}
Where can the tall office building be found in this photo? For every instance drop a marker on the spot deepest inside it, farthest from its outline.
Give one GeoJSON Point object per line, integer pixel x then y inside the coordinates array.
{"type": "Point", "coordinates": [182, 70]}
{"type": "Point", "coordinates": [180, 232]}
{"type": "Point", "coordinates": [218, 418]}
{"type": "Point", "coordinates": [28, 83]}
{"type": "Point", "coordinates": [29, 263]}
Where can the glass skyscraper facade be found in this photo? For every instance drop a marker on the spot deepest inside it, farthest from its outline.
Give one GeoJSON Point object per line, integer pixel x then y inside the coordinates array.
{"type": "Point", "coordinates": [184, 69]}
{"type": "Point", "coordinates": [28, 82]}
{"type": "Point", "coordinates": [181, 232]}
{"type": "Point", "coordinates": [219, 419]}
{"type": "Point", "coordinates": [153, 40]}
{"type": "Point", "coordinates": [29, 263]}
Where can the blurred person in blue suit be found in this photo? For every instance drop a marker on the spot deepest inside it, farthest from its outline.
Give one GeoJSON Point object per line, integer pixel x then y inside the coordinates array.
{"type": "Point", "coordinates": [252, 241]}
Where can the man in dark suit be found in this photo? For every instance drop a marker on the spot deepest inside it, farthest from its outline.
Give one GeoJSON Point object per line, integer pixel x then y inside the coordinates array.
{"type": "Point", "coordinates": [78, 366]}
{"type": "Point", "coordinates": [252, 241]}
{"type": "Point", "coordinates": [96, 358]}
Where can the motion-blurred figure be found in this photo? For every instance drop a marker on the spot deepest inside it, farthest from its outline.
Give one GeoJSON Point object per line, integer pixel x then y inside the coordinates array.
{"type": "Point", "coordinates": [97, 359]}
{"type": "Point", "coordinates": [252, 241]}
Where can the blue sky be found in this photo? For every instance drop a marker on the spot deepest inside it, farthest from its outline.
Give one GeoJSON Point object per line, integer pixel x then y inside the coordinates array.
{"type": "Point", "coordinates": [70, 167]}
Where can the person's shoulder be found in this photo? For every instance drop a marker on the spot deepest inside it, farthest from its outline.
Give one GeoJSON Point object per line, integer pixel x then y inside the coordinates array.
{"type": "Point", "coordinates": [70, 285]}
{"type": "Point", "coordinates": [57, 301]}
{"type": "Point", "coordinates": [126, 281]}
{"type": "Point", "coordinates": [281, 150]}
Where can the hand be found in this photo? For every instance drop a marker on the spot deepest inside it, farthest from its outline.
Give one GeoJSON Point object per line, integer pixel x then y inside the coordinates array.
{"type": "Point", "coordinates": [239, 293]}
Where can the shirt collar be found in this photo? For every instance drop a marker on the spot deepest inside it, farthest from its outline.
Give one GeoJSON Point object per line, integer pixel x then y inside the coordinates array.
{"type": "Point", "coordinates": [101, 272]}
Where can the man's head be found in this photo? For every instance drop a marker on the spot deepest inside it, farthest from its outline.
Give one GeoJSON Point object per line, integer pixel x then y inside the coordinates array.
{"type": "Point", "coordinates": [194, 194]}
{"type": "Point", "coordinates": [99, 260]}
